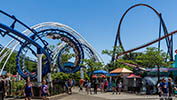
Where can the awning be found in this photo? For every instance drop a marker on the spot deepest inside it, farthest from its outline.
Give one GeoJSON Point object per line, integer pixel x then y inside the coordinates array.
{"type": "Point", "coordinates": [121, 70]}
{"type": "Point", "coordinates": [133, 76]}
{"type": "Point", "coordinates": [113, 74]}
{"type": "Point", "coordinates": [100, 72]}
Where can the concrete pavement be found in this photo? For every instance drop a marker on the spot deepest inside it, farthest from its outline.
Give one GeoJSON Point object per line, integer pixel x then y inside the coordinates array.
{"type": "Point", "coordinates": [100, 96]}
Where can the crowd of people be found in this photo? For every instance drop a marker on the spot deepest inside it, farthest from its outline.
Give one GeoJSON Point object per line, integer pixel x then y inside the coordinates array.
{"type": "Point", "coordinates": [103, 85]}
{"type": "Point", "coordinates": [165, 88]}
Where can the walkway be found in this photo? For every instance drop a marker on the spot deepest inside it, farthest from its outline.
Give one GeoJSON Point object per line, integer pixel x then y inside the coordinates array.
{"type": "Point", "coordinates": [101, 96]}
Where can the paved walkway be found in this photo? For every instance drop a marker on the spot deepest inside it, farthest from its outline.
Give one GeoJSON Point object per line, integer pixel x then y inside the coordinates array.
{"type": "Point", "coordinates": [100, 96]}
{"type": "Point", "coordinates": [122, 96]}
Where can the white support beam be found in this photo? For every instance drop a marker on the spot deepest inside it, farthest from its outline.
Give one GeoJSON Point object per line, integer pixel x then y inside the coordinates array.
{"type": "Point", "coordinates": [39, 69]}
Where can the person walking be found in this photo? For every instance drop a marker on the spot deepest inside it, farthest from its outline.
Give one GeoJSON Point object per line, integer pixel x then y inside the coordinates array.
{"type": "Point", "coordinates": [170, 88]}
{"type": "Point", "coordinates": [114, 87]}
{"type": "Point", "coordinates": [95, 86]}
{"type": "Point", "coordinates": [102, 87]}
{"type": "Point", "coordinates": [81, 84]}
{"type": "Point", "coordinates": [70, 85]}
{"type": "Point", "coordinates": [89, 85]}
{"type": "Point", "coordinates": [66, 87]}
{"type": "Point", "coordinates": [28, 91]}
{"type": "Point", "coordinates": [164, 89]}
{"type": "Point", "coordinates": [158, 88]}
{"type": "Point", "coordinates": [44, 91]}
{"type": "Point", "coordinates": [119, 87]}
{"type": "Point", "coordinates": [2, 88]}
{"type": "Point", "coordinates": [105, 85]}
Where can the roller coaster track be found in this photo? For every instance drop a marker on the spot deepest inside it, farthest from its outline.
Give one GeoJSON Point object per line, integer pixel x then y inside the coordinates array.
{"type": "Point", "coordinates": [145, 45]}
{"type": "Point", "coordinates": [32, 33]}
{"type": "Point", "coordinates": [166, 35]}
{"type": "Point", "coordinates": [10, 31]}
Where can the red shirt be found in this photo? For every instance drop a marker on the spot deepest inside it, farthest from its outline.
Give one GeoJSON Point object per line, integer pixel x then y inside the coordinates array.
{"type": "Point", "coordinates": [81, 81]}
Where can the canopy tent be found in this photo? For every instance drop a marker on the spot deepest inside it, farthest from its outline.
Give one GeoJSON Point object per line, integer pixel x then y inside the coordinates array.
{"type": "Point", "coordinates": [100, 72]}
{"type": "Point", "coordinates": [133, 76]}
{"type": "Point", "coordinates": [121, 71]}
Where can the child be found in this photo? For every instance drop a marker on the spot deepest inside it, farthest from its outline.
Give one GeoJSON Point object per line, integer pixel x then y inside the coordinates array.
{"type": "Point", "coordinates": [44, 92]}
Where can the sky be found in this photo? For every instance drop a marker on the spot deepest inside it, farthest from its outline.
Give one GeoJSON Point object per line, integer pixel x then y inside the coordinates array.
{"type": "Point", "coordinates": [97, 20]}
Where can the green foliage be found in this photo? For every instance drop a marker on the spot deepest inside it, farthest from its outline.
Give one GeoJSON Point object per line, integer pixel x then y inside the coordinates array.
{"type": "Point", "coordinates": [18, 87]}
{"type": "Point", "coordinates": [119, 64]}
{"type": "Point", "coordinates": [131, 56]}
{"type": "Point", "coordinates": [65, 76]}
{"type": "Point", "coordinates": [92, 65]}
{"type": "Point", "coordinates": [11, 63]}
{"type": "Point", "coordinates": [60, 76]}
{"type": "Point", "coordinates": [148, 59]}
{"type": "Point", "coordinates": [152, 57]}
{"type": "Point", "coordinates": [110, 52]}
{"type": "Point", "coordinates": [30, 65]}
{"type": "Point", "coordinates": [19, 84]}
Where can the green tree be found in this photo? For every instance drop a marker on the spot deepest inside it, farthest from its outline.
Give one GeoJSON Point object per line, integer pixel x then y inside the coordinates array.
{"type": "Point", "coordinates": [110, 52]}
{"type": "Point", "coordinates": [11, 63]}
{"type": "Point", "coordinates": [92, 66]}
{"type": "Point", "coordinates": [152, 57]}
{"type": "Point", "coordinates": [117, 63]}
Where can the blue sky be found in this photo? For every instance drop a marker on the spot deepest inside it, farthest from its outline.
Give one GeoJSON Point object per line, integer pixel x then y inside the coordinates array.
{"type": "Point", "coordinates": [97, 20]}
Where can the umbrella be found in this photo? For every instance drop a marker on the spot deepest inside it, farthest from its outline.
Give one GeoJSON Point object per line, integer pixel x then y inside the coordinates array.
{"type": "Point", "coordinates": [133, 76]}
{"type": "Point", "coordinates": [94, 76]}
{"type": "Point", "coordinates": [113, 74]}
{"type": "Point", "coordinates": [14, 75]}
{"type": "Point", "coordinates": [100, 72]}
{"type": "Point", "coordinates": [121, 70]}
{"type": "Point", "coordinates": [102, 76]}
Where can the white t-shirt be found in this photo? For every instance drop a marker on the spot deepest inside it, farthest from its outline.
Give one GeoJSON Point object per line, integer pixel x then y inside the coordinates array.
{"type": "Point", "coordinates": [89, 85]}
{"type": "Point", "coordinates": [120, 85]}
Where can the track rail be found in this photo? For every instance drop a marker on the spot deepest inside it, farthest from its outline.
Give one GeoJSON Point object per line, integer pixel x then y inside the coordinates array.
{"type": "Point", "coordinates": [145, 45]}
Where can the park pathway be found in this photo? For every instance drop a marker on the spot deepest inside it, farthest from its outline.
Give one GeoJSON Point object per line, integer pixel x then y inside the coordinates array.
{"type": "Point", "coordinates": [100, 96]}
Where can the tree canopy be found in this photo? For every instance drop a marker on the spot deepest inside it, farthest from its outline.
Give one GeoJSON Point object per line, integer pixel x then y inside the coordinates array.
{"type": "Point", "coordinates": [150, 58]}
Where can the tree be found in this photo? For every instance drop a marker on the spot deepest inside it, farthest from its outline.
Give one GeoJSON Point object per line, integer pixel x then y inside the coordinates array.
{"type": "Point", "coordinates": [11, 63]}
{"type": "Point", "coordinates": [118, 63]}
{"type": "Point", "coordinates": [152, 57]}
{"type": "Point", "coordinates": [30, 64]}
{"type": "Point", "coordinates": [110, 52]}
{"type": "Point", "coordinates": [92, 66]}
